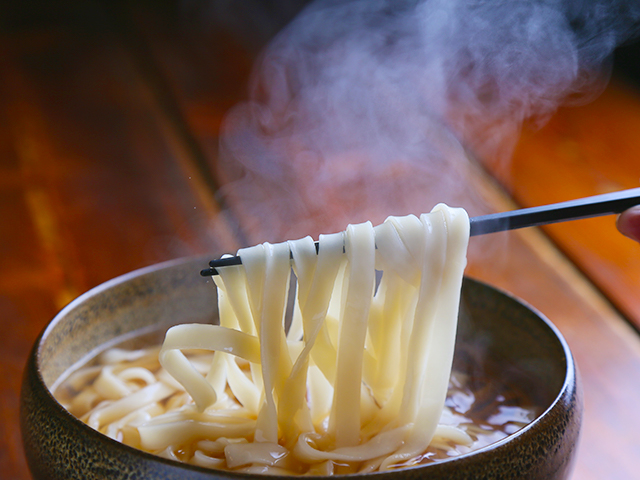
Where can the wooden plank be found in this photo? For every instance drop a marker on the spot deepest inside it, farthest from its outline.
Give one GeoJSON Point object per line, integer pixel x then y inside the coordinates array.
{"type": "Point", "coordinates": [93, 180]}
{"type": "Point", "coordinates": [585, 151]}
{"type": "Point", "coordinates": [88, 127]}
{"type": "Point", "coordinates": [192, 103]}
{"type": "Point", "coordinates": [26, 302]}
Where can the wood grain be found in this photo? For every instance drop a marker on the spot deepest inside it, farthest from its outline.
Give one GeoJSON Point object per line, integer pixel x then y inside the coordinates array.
{"type": "Point", "coordinates": [585, 151]}
{"type": "Point", "coordinates": [93, 185]}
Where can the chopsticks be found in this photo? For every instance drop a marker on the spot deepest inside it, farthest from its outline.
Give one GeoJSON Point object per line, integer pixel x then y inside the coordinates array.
{"type": "Point", "coordinates": [598, 205]}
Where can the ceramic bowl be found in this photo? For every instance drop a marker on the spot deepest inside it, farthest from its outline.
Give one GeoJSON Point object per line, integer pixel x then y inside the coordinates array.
{"type": "Point", "coordinates": [526, 348]}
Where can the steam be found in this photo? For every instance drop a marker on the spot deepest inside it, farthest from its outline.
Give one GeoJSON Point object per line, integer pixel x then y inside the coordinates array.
{"type": "Point", "coordinates": [361, 109]}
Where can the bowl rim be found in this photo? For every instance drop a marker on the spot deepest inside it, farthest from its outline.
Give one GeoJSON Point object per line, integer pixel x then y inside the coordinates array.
{"type": "Point", "coordinates": [570, 373]}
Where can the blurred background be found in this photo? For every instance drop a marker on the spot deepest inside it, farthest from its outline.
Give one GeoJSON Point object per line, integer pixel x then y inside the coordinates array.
{"type": "Point", "coordinates": [129, 133]}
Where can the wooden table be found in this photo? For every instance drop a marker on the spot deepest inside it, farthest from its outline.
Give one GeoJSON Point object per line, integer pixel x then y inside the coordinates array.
{"type": "Point", "coordinates": [109, 122]}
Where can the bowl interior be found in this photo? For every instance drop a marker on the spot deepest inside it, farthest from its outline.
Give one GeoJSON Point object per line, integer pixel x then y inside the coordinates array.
{"type": "Point", "coordinates": [501, 338]}
{"type": "Point", "coordinates": [134, 304]}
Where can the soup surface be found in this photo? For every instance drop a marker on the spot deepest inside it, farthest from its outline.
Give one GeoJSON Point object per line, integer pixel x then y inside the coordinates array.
{"type": "Point", "coordinates": [484, 407]}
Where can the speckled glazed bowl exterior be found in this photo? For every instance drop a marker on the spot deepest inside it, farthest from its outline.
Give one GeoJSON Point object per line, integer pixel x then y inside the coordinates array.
{"type": "Point", "coordinates": [58, 446]}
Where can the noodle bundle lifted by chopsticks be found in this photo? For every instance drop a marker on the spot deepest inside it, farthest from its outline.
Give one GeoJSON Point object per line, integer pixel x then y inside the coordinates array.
{"type": "Point", "coordinates": [362, 373]}
{"type": "Point", "coordinates": [354, 379]}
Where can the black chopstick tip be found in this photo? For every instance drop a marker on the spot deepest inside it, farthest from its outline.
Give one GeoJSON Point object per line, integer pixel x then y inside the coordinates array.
{"type": "Point", "coordinates": [208, 272]}
{"type": "Point", "coordinates": [225, 262]}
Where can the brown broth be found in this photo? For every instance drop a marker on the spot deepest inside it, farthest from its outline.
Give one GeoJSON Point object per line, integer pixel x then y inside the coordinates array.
{"type": "Point", "coordinates": [487, 406]}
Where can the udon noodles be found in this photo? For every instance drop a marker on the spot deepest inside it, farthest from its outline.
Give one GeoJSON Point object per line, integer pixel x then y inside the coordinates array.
{"type": "Point", "coordinates": [355, 379]}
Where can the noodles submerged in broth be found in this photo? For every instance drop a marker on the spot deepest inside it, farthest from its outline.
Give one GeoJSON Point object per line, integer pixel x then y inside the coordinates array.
{"type": "Point", "coordinates": [356, 379]}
